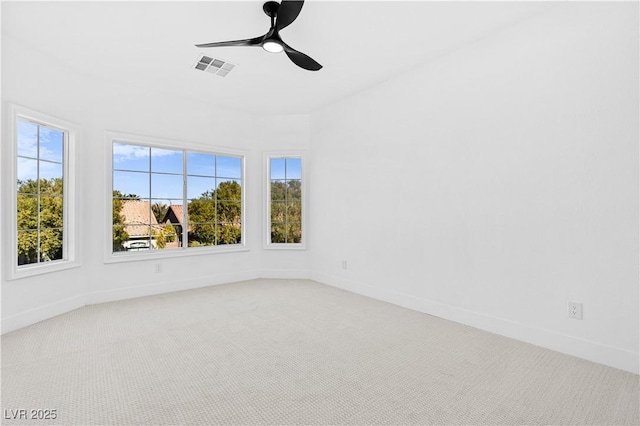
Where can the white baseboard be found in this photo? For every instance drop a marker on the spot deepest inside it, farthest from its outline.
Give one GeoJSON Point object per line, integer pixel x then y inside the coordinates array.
{"type": "Point", "coordinates": [570, 345]}
{"type": "Point", "coordinates": [41, 313]}
{"type": "Point", "coordinates": [168, 287]}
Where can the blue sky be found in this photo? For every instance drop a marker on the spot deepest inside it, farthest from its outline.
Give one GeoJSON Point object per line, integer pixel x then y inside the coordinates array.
{"type": "Point", "coordinates": [51, 151]}
{"type": "Point", "coordinates": [286, 168]}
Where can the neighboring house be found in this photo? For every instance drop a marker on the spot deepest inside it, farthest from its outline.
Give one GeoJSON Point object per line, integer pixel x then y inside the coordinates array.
{"type": "Point", "coordinates": [140, 224]}
{"type": "Point", "coordinates": [175, 216]}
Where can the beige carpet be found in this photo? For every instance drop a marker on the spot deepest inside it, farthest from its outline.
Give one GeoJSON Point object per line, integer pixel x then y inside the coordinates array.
{"type": "Point", "coordinates": [294, 352]}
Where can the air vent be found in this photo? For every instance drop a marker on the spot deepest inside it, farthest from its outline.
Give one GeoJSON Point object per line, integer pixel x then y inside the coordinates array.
{"type": "Point", "coordinates": [214, 66]}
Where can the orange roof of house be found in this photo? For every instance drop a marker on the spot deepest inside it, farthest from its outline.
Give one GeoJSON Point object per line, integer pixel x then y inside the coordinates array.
{"type": "Point", "coordinates": [138, 216]}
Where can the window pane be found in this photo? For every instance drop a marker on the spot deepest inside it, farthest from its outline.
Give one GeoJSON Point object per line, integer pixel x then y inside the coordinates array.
{"type": "Point", "coordinates": [229, 190]}
{"type": "Point", "coordinates": [229, 233]}
{"type": "Point", "coordinates": [137, 212]}
{"type": "Point", "coordinates": [294, 233]}
{"type": "Point", "coordinates": [50, 245]}
{"type": "Point", "coordinates": [165, 210]}
{"type": "Point", "coordinates": [202, 210]}
{"type": "Point", "coordinates": [139, 237]}
{"type": "Point", "coordinates": [166, 186]}
{"type": "Point", "coordinates": [201, 164]}
{"type": "Point", "coordinates": [27, 170]}
{"type": "Point", "coordinates": [168, 237]}
{"type": "Point", "coordinates": [51, 212]}
{"type": "Point", "coordinates": [228, 167]}
{"type": "Point", "coordinates": [277, 168]}
{"type": "Point", "coordinates": [278, 190]}
{"type": "Point", "coordinates": [278, 211]}
{"type": "Point", "coordinates": [228, 211]}
{"type": "Point", "coordinates": [51, 144]}
{"type": "Point", "coordinates": [130, 157]}
{"type": "Point", "coordinates": [198, 187]}
{"type": "Point", "coordinates": [119, 238]}
{"type": "Point", "coordinates": [27, 138]}
{"type": "Point", "coordinates": [166, 161]}
{"type": "Point", "coordinates": [49, 171]}
{"type": "Point", "coordinates": [294, 168]}
{"type": "Point", "coordinates": [202, 234]}
{"type": "Point", "coordinates": [294, 190]}
{"type": "Point", "coordinates": [27, 247]}
{"type": "Point", "coordinates": [51, 186]}
{"type": "Point", "coordinates": [278, 233]}
{"type": "Point", "coordinates": [131, 183]}
{"type": "Point", "coordinates": [27, 212]}
{"type": "Point", "coordinates": [294, 211]}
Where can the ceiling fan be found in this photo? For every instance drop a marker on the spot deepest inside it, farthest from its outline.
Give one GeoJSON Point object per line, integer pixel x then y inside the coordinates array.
{"type": "Point", "coordinates": [281, 14]}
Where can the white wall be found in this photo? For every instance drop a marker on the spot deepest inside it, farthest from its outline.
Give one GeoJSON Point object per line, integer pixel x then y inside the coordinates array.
{"type": "Point", "coordinates": [496, 183]}
{"type": "Point", "coordinates": [33, 80]}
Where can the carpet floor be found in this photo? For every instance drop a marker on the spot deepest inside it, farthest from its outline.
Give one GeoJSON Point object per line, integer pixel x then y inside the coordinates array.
{"type": "Point", "coordinates": [293, 352]}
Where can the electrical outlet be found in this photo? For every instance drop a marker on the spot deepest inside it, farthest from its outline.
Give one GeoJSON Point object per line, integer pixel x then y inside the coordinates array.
{"type": "Point", "coordinates": [158, 268]}
{"type": "Point", "coordinates": [344, 264]}
{"type": "Point", "coordinates": [574, 310]}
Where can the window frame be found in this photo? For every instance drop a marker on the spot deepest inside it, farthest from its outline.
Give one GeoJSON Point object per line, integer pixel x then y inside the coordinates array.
{"type": "Point", "coordinates": [267, 156]}
{"type": "Point", "coordinates": [71, 244]}
{"type": "Point", "coordinates": [110, 256]}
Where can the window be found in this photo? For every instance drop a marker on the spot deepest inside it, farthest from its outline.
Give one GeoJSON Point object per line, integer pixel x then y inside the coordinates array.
{"type": "Point", "coordinates": [285, 206]}
{"type": "Point", "coordinates": [151, 187]}
{"type": "Point", "coordinates": [44, 239]}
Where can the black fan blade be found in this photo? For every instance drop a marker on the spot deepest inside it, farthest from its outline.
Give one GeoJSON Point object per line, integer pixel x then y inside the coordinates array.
{"type": "Point", "coordinates": [288, 12]}
{"type": "Point", "coordinates": [246, 42]}
{"type": "Point", "coordinates": [300, 59]}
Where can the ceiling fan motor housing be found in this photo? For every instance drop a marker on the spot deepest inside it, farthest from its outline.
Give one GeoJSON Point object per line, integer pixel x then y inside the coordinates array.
{"type": "Point", "coordinates": [271, 8]}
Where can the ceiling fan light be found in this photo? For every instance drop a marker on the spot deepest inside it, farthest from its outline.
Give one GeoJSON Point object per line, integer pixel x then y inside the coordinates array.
{"type": "Point", "coordinates": [272, 46]}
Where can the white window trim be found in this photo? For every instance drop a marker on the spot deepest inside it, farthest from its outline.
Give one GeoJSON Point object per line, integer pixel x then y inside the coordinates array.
{"type": "Point", "coordinates": [109, 255]}
{"type": "Point", "coordinates": [71, 242]}
{"type": "Point", "coordinates": [266, 216]}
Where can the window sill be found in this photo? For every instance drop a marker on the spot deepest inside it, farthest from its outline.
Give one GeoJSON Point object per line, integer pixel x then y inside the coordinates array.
{"type": "Point", "coordinates": [42, 268]}
{"type": "Point", "coordinates": [285, 247]}
{"type": "Point", "coordinates": [166, 254]}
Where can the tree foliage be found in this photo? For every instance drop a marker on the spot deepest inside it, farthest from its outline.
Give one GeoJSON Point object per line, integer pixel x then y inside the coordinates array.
{"type": "Point", "coordinates": [214, 218]}
{"type": "Point", "coordinates": [163, 235]}
{"type": "Point", "coordinates": [40, 212]}
{"type": "Point", "coordinates": [286, 211]}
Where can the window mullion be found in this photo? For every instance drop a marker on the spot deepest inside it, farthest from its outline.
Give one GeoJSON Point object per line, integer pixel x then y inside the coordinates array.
{"type": "Point", "coordinates": [38, 260]}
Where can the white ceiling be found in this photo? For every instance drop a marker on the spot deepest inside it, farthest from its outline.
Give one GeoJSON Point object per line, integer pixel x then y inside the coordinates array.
{"type": "Point", "coordinates": [150, 45]}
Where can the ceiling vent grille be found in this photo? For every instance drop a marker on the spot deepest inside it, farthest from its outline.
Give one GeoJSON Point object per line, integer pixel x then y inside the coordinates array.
{"type": "Point", "coordinates": [214, 66]}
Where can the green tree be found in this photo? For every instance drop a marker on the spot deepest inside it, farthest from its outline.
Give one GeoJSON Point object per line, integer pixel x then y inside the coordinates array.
{"type": "Point", "coordinates": [40, 211]}
{"type": "Point", "coordinates": [164, 235]}
{"type": "Point", "coordinates": [160, 237]}
{"type": "Point", "coordinates": [120, 235]}
{"type": "Point", "coordinates": [286, 211]}
{"type": "Point", "coordinates": [215, 217]}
